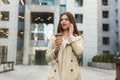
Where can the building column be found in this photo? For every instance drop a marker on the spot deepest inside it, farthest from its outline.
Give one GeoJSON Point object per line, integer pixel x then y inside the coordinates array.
{"type": "Point", "coordinates": [26, 36]}
{"type": "Point", "coordinates": [56, 14]}
{"type": "Point", "coordinates": [13, 28]}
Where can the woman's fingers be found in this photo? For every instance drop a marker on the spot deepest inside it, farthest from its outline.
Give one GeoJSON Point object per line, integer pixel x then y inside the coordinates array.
{"type": "Point", "coordinates": [71, 29]}
{"type": "Point", "coordinates": [58, 43]}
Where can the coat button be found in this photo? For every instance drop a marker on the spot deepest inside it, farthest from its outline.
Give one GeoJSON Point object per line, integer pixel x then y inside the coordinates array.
{"type": "Point", "coordinates": [72, 60]}
{"type": "Point", "coordinates": [73, 51]}
{"type": "Point", "coordinates": [71, 70]}
{"type": "Point", "coordinates": [57, 61]}
{"type": "Point", "coordinates": [54, 70]}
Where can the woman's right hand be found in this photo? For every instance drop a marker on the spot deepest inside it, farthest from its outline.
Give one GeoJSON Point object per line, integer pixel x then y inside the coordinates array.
{"type": "Point", "coordinates": [58, 43]}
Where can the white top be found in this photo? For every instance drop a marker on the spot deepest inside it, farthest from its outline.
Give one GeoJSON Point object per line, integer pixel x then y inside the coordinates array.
{"type": "Point", "coordinates": [64, 43]}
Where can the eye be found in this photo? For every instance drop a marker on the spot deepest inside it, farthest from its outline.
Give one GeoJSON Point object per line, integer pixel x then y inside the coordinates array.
{"type": "Point", "coordinates": [61, 19]}
{"type": "Point", "coordinates": [66, 19]}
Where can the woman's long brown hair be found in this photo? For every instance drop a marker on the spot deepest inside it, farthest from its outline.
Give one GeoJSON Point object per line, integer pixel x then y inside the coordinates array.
{"type": "Point", "coordinates": [71, 19]}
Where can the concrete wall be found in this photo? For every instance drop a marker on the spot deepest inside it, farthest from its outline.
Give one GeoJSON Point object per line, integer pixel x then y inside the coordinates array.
{"type": "Point", "coordinates": [112, 27]}
{"type": "Point", "coordinates": [12, 25]}
{"type": "Point", "coordinates": [89, 26]}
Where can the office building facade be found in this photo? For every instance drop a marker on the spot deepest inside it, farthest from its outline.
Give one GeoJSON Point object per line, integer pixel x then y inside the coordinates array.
{"type": "Point", "coordinates": [26, 26]}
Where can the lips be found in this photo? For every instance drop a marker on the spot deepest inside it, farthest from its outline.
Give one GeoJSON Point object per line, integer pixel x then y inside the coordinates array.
{"type": "Point", "coordinates": [63, 24]}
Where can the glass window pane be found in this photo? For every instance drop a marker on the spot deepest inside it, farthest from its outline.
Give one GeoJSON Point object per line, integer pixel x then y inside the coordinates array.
{"type": "Point", "coordinates": [79, 18]}
{"type": "Point", "coordinates": [3, 33]}
{"type": "Point", "coordinates": [43, 2]}
{"type": "Point", "coordinates": [105, 27]}
{"type": "Point", "coordinates": [62, 8]}
{"type": "Point", "coordinates": [105, 2]}
{"type": "Point", "coordinates": [4, 1]}
{"type": "Point", "coordinates": [41, 28]}
{"type": "Point", "coordinates": [4, 16]}
{"type": "Point", "coordinates": [21, 17]}
{"type": "Point", "coordinates": [3, 53]}
{"type": "Point", "coordinates": [106, 40]}
{"type": "Point", "coordinates": [106, 51]}
{"type": "Point", "coordinates": [78, 3]}
{"type": "Point", "coordinates": [105, 14]}
{"type": "Point", "coordinates": [21, 2]}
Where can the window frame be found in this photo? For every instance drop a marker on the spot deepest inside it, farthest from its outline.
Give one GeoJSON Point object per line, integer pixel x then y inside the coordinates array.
{"type": "Point", "coordinates": [105, 14]}
{"type": "Point", "coordinates": [106, 40]}
{"type": "Point", "coordinates": [105, 2]}
{"type": "Point", "coordinates": [105, 27]}
{"type": "Point", "coordinates": [79, 18]}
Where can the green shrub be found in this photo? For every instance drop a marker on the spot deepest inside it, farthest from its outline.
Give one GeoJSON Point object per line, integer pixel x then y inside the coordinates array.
{"type": "Point", "coordinates": [109, 58]}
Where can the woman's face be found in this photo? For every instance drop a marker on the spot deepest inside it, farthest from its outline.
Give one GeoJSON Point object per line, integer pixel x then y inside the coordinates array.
{"type": "Point", "coordinates": [65, 23]}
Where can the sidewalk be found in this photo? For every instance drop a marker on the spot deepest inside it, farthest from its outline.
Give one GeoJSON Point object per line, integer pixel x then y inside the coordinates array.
{"type": "Point", "coordinates": [36, 72]}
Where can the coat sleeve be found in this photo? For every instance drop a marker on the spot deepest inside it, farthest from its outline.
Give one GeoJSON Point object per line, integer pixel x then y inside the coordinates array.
{"type": "Point", "coordinates": [50, 51]}
{"type": "Point", "coordinates": [76, 43]}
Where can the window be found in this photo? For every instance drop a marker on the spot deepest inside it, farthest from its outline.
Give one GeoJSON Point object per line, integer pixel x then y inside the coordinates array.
{"type": "Point", "coordinates": [21, 2]}
{"type": "Point", "coordinates": [21, 17]}
{"type": "Point", "coordinates": [43, 2]}
{"type": "Point", "coordinates": [3, 53]}
{"type": "Point", "coordinates": [21, 34]}
{"type": "Point", "coordinates": [32, 36]}
{"type": "Point", "coordinates": [106, 41]}
{"type": "Point", "coordinates": [79, 18]}
{"type": "Point", "coordinates": [105, 2]}
{"type": "Point", "coordinates": [40, 36]}
{"type": "Point", "coordinates": [106, 52]}
{"type": "Point", "coordinates": [116, 23]}
{"type": "Point", "coordinates": [3, 33]}
{"type": "Point", "coordinates": [62, 8]}
{"type": "Point", "coordinates": [105, 14]}
{"type": "Point", "coordinates": [4, 16]}
{"type": "Point", "coordinates": [4, 1]}
{"type": "Point", "coordinates": [105, 27]}
{"type": "Point", "coordinates": [78, 3]}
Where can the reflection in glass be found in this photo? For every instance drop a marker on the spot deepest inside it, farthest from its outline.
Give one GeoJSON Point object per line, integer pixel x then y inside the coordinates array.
{"type": "Point", "coordinates": [79, 18]}
{"type": "Point", "coordinates": [41, 28]}
{"type": "Point", "coordinates": [4, 16]}
{"type": "Point", "coordinates": [43, 2]}
{"type": "Point", "coordinates": [21, 17]}
{"type": "Point", "coordinates": [4, 1]}
{"type": "Point", "coordinates": [105, 27]}
{"type": "Point", "coordinates": [40, 34]}
{"type": "Point", "coordinates": [21, 2]}
{"type": "Point", "coordinates": [20, 35]}
{"type": "Point", "coordinates": [3, 53]}
{"type": "Point", "coordinates": [3, 33]}
{"type": "Point", "coordinates": [106, 40]}
{"type": "Point", "coordinates": [62, 8]}
{"type": "Point", "coordinates": [105, 14]}
{"type": "Point", "coordinates": [105, 2]}
{"type": "Point", "coordinates": [78, 3]}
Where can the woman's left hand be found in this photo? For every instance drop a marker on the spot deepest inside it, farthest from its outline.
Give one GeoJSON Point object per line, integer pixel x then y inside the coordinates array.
{"type": "Point", "coordinates": [71, 29]}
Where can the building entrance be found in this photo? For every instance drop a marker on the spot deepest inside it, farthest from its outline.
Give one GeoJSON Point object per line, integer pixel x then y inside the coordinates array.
{"type": "Point", "coordinates": [40, 57]}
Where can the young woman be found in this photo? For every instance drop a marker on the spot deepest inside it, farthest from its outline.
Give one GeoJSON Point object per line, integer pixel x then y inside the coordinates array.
{"type": "Point", "coordinates": [63, 54]}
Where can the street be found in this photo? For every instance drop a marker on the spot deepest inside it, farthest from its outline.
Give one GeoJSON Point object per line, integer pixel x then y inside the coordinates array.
{"type": "Point", "coordinates": [40, 72]}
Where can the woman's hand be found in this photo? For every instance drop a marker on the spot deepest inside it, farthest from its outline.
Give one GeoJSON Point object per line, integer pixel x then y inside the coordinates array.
{"type": "Point", "coordinates": [71, 29]}
{"type": "Point", "coordinates": [58, 43]}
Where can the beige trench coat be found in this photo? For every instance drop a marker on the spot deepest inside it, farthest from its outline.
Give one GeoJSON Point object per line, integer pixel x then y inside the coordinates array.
{"type": "Point", "coordinates": [65, 66]}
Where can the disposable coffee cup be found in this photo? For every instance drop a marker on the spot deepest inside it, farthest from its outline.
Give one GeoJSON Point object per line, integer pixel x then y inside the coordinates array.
{"type": "Point", "coordinates": [59, 36]}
